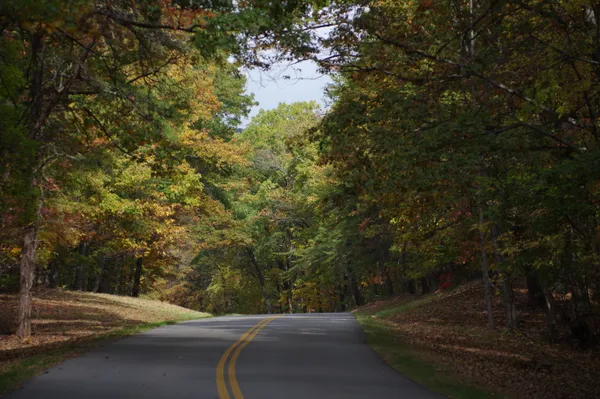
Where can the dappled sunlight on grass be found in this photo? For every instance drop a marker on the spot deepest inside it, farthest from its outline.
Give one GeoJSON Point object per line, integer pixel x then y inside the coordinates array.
{"type": "Point", "coordinates": [64, 316]}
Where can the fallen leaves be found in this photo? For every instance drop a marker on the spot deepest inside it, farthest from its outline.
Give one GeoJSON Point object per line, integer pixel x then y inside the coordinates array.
{"type": "Point", "coordinates": [61, 317]}
{"type": "Point", "coordinates": [449, 330]}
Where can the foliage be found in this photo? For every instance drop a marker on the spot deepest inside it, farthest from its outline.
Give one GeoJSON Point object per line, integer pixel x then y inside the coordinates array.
{"type": "Point", "coordinates": [117, 121]}
{"type": "Point", "coordinates": [461, 143]}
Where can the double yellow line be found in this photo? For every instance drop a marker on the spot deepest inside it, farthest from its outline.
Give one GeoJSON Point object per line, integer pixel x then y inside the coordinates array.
{"type": "Point", "coordinates": [237, 348]}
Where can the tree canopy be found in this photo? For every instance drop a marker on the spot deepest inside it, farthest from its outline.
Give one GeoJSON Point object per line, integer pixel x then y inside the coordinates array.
{"type": "Point", "coordinates": [461, 143]}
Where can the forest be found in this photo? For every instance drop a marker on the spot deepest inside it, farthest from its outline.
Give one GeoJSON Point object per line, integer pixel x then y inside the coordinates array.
{"type": "Point", "coordinates": [461, 144]}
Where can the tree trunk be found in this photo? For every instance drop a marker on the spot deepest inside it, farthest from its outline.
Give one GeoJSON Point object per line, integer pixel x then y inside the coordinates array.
{"type": "Point", "coordinates": [105, 278]}
{"type": "Point", "coordinates": [287, 288]}
{"type": "Point", "coordinates": [485, 275]}
{"type": "Point", "coordinates": [286, 285]}
{"type": "Point", "coordinates": [261, 279]}
{"type": "Point", "coordinates": [27, 270]}
{"type": "Point", "coordinates": [53, 276]}
{"type": "Point", "coordinates": [406, 284]}
{"type": "Point", "coordinates": [384, 279]}
{"type": "Point", "coordinates": [424, 286]}
{"type": "Point", "coordinates": [290, 301]}
{"type": "Point", "coordinates": [581, 298]}
{"type": "Point", "coordinates": [535, 293]}
{"type": "Point", "coordinates": [508, 301]}
{"type": "Point", "coordinates": [119, 273]}
{"type": "Point", "coordinates": [101, 273]}
{"type": "Point", "coordinates": [319, 297]}
{"type": "Point", "coordinates": [596, 290]}
{"type": "Point", "coordinates": [432, 280]}
{"type": "Point", "coordinates": [507, 291]}
{"type": "Point", "coordinates": [384, 273]}
{"type": "Point", "coordinates": [137, 276]}
{"type": "Point", "coordinates": [33, 205]}
{"type": "Point", "coordinates": [410, 286]}
{"type": "Point", "coordinates": [342, 297]}
{"type": "Point", "coordinates": [353, 289]}
{"type": "Point", "coordinates": [288, 266]}
{"type": "Point", "coordinates": [550, 308]}
{"type": "Point", "coordinates": [389, 283]}
{"type": "Point", "coordinates": [80, 269]}
{"type": "Point", "coordinates": [265, 295]}
{"type": "Point", "coordinates": [280, 302]}
{"type": "Point", "coordinates": [356, 294]}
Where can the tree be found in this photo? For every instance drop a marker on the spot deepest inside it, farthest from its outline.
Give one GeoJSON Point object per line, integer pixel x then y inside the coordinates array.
{"type": "Point", "coordinates": [66, 54]}
{"type": "Point", "coordinates": [446, 110]}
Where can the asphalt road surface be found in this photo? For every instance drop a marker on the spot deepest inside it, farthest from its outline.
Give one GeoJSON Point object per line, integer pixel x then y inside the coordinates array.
{"type": "Point", "coordinates": [309, 356]}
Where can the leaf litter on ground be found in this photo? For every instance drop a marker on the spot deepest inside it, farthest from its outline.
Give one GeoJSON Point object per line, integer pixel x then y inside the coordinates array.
{"type": "Point", "coordinates": [61, 317]}
{"type": "Point", "coordinates": [449, 330]}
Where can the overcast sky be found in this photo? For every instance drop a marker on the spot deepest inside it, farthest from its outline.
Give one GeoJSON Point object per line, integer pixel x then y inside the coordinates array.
{"type": "Point", "coordinates": [271, 88]}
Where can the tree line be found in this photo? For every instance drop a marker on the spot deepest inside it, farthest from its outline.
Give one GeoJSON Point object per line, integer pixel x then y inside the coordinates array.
{"type": "Point", "coordinates": [466, 133]}
{"type": "Point", "coordinates": [461, 143]}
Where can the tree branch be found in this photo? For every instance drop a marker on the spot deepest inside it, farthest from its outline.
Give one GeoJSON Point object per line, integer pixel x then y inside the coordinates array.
{"type": "Point", "coordinates": [539, 130]}
{"type": "Point", "coordinates": [146, 25]}
{"type": "Point", "coordinates": [517, 93]}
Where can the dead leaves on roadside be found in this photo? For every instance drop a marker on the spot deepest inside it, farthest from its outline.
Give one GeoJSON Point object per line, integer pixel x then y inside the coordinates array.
{"type": "Point", "coordinates": [450, 332]}
{"type": "Point", "coordinates": [62, 317]}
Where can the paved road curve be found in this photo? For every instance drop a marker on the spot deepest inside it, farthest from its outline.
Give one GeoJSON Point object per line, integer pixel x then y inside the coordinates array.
{"type": "Point", "coordinates": [312, 356]}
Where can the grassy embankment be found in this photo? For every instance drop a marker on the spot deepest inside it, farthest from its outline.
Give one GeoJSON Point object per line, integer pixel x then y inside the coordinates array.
{"type": "Point", "coordinates": [68, 323]}
{"type": "Point", "coordinates": [442, 342]}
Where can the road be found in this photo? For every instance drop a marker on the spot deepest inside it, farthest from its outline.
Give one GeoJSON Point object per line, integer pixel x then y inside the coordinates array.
{"type": "Point", "coordinates": [310, 356]}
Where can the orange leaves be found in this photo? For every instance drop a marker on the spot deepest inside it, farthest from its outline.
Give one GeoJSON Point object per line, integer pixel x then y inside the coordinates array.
{"type": "Point", "coordinates": [100, 141]}
{"type": "Point", "coordinates": [363, 225]}
{"type": "Point", "coordinates": [49, 184]}
{"type": "Point", "coordinates": [183, 17]}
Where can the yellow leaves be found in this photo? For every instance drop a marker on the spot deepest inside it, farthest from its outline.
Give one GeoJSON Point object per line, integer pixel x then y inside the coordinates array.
{"type": "Point", "coordinates": [42, 26]}
{"type": "Point", "coordinates": [29, 25]}
{"type": "Point", "coordinates": [134, 174]}
{"type": "Point", "coordinates": [197, 86]}
{"type": "Point", "coordinates": [100, 142]}
{"type": "Point", "coordinates": [184, 17]}
{"type": "Point", "coordinates": [214, 149]}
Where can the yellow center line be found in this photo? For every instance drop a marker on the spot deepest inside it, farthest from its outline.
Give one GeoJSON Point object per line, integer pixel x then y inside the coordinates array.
{"type": "Point", "coordinates": [235, 388]}
{"type": "Point", "coordinates": [221, 386]}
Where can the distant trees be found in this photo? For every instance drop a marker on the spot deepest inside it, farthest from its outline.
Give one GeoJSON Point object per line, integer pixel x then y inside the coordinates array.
{"type": "Point", "coordinates": [461, 143]}
{"type": "Point", "coordinates": [252, 240]}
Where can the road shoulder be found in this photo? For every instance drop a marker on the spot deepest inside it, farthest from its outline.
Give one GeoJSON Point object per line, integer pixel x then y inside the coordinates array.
{"type": "Point", "coordinates": [412, 361]}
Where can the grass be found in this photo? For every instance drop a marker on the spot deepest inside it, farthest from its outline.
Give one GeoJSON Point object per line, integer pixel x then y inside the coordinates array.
{"type": "Point", "coordinates": [69, 323]}
{"type": "Point", "coordinates": [442, 341]}
{"type": "Point", "coordinates": [406, 360]}
{"type": "Point", "coordinates": [386, 312]}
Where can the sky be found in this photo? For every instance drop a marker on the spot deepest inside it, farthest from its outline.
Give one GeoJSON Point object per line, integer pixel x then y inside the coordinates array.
{"type": "Point", "coordinates": [270, 88]}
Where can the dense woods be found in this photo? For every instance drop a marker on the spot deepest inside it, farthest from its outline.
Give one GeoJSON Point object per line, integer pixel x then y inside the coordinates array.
{"type": "Point", "coordinates": [461, 144]}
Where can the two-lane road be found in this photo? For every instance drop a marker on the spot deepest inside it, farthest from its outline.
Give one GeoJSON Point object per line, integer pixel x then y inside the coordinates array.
{"type": "Point", "coordinates": [312, 356]}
